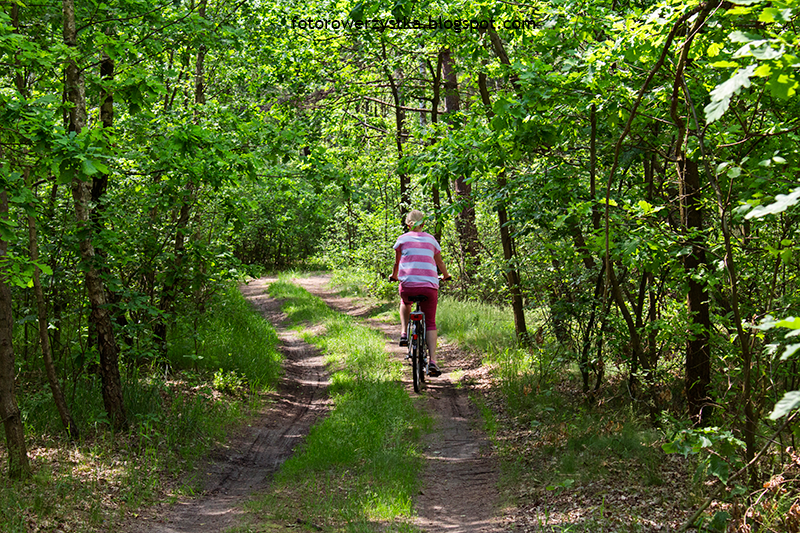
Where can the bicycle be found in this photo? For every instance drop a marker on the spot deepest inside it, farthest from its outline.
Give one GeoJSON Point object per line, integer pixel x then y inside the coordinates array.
{"type": "Point", "coordinates": [418, 344]}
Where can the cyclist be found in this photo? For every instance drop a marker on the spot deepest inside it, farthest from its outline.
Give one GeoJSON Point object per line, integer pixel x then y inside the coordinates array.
{"type": "Point", "coordinates": [417, 255]}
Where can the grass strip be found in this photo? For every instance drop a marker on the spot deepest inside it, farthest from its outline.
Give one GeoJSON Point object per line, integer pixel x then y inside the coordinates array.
{"type": "Point", "coordinates": [358, 469]}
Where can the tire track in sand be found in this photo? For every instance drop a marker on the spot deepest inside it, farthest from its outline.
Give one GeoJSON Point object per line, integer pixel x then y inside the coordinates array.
{"type": "Point", "coordinates": [245, 466]}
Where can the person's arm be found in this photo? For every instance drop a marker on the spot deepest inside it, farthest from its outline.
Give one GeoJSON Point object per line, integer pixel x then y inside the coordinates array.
{"type": "Point", "coordinates": [396, 269]}
{"type": "Point", "coordinates": [437, 257]}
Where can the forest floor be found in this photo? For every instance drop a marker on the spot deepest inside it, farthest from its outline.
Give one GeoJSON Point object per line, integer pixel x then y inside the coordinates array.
{"type": "Point", "coordinates": [462, 473]}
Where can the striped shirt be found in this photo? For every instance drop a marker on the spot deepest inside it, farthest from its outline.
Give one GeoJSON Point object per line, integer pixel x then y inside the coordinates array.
{"type": "Point", "coordinates": [417, 266]}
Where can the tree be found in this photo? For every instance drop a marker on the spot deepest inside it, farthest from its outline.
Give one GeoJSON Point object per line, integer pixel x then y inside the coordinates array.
{"type": "Point", "coordinates": [100, 314]}
{"type": "Point", "coordinates": [18, 466]}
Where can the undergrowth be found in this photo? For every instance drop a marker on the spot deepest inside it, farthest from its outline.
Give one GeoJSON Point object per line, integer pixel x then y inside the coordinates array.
{"type": "Point", "coordinates": [230, 338]}
{"type": "Point", "coordinates": [555, 447]}
{"type": "Point", "coordinates": [176, 414]}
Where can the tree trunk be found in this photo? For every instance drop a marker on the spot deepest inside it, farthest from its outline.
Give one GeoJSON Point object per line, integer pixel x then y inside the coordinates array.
{"type": "Point", "coordinates": [395, 84]}
{"type": "Point", "coordinates": [698, 348]}
{"type": "Point", "coordinates": [100, 316]}
{"type": "Point", "coordinates": [18, 465]}
{"type": "Point", "coordinates": [512, 273]}
{"type": "Point", "coordinates": [507, 239]}
{"type": "Point", "coordinates": [44, 337]}
{"type": "Point", "coordinates": [584, 363]}
{"type": "Point", "coordinates": [435, 193]}
{"type": "Point", "coordinates": [173, 279]}
{"type": "Point", "coordinates": [630, 321]}
{"type": "Point", "coordinates": [466, 227]}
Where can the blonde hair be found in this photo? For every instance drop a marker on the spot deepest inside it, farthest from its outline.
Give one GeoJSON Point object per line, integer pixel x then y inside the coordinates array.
{"type": "Point", "coordinates": [415, 218]}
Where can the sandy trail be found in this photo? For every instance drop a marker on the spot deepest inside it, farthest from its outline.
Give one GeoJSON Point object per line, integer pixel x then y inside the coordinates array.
{"type": "Point", "coordinates": [460, 481]}
{"type": "Point", "coordinates": [246, 464]}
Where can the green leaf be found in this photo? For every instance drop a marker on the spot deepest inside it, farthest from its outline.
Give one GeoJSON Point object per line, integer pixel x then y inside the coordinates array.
{"type": "Point", "coordinates": [722, 93]}
{"type": "Point", "coordinates": [743, 37]}
{"type": "Point", "coordinates": [773, 14]}
{"type": "Point", "coordinates": [357, 13]}
{"type": "Point", "coordinates": [88, 168]}
{"type": "Point", "coordinates": [670, 447]}
{"type": "Point", "coordinates": [791, 322]}
{"type": "Point", "coordinates": [763, 70]}
{"type": "Point", "coordinates": [645, 207]}
{"type": "Point", "coordinates": [714, 49]}
{"type": "Point", "coordinates": [720, 521]}
{"type": "Point", "coordinates": [718, 468]}
{"type": "Point", "coordinates": [782, 203]}
{"type": "Point", "coordinates": [789, 402]}
{"type": "Point", "coordinates": [781, 86]}
{"type": "Point", "coordinates": [765, 52]}
{"type": "Point", "coordinates": [46, 270]}
{"type": "Point", "coordinates": [790, 351]}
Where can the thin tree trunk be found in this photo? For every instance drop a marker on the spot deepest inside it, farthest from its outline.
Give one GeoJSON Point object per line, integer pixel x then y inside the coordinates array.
{"type": "Point", "coordinates": [44, 337]}
{"type": "Point", "coordinates": [395, 84]}
{"type": "Point", "coordinates": [465, 221]}
{"type": "Point", "coordinates": [100, 316]}
{"type": "Point", "coordinates": [41, 309]}
{"type": "Point", "coordinates": [512, 273]}
{"type": "Point", "coordinates": [583, 364]}
{"type": "Point", "coordinates": [593, 168]}
{"type": "Point", "coordinates": [743, 335]}
{"type": "Point", "coordinates": [507, 239]}
{"type": "Point", "coordinates": [173, 281]}
{"type": "Point", "coordinates": [698, 349]}
{"type": "Point", "coordinates": [100, 186]}
{"type": "Point", "coordinates": [435, 193]}
{"type": "Point", "coordinates": [633, 331]}
{"type": "Point", "coordinates": [18, 465]}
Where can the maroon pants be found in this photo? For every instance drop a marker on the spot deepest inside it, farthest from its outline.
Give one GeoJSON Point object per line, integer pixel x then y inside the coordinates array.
{"type": "Point", "coordinates": [428, 306]}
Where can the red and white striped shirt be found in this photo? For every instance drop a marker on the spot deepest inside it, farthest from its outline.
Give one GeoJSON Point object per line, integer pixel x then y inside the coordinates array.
{"type": "Point", "coordinates": [417, 266]}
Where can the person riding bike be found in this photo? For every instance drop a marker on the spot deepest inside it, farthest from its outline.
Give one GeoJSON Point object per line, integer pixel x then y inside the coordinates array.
{"type": "Point", "coordinates": [417, 255]}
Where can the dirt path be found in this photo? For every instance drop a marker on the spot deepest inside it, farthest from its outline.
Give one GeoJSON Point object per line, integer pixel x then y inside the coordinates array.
{"type": "Point", "coordinates": [246, 465]}
{"type": "Point", "coordinates": [460, 481]}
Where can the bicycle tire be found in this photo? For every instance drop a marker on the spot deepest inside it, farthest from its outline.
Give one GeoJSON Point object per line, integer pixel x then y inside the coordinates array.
{"type": "Point", "coordinates": [422, 366]}
{"type": "Point", "coordinates": [415, 360]}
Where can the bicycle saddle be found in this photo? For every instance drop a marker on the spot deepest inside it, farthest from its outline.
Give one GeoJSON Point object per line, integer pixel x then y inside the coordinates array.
{"type": "Point", "coordinates": [417, 298]}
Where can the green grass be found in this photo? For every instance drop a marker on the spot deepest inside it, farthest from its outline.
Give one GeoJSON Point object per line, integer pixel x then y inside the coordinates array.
{"type": "Point", "coordinates": [230, 337]}
{"type": "Point", "coordinates": [358, 469]}
{"type": "Point", "coordinates": [360, 282]}
{"type": "Point", "coordinates": [477, 326]}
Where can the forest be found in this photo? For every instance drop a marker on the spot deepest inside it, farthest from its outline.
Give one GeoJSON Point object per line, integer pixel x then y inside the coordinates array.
{"type": "Point", "coordinates": [621, 176]}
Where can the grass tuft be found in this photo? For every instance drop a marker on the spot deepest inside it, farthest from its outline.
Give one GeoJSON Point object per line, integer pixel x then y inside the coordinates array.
{"type": "Point", "coordinates": [231, 338]}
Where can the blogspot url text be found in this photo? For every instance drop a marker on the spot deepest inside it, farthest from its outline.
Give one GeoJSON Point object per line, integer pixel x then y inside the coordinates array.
{"type": "Point", "coordinates": [431, 24]}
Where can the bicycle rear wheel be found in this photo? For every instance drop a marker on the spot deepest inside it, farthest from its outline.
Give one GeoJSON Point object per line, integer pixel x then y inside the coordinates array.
{"type": "Point", "coordinates": [416, 359]}
{"type": "Point", "coordinates": [422, 365]}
